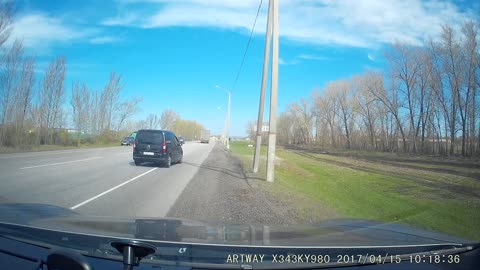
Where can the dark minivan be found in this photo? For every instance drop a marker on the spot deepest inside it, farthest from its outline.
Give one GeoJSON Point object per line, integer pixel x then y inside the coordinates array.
{"type": "Point", "coordinates": [158, 146]}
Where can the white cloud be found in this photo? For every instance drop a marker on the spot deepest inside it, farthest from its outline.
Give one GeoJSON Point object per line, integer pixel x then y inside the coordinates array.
{"type": "Point", "coordinates": [188, 15]}
{"type": "Point", "coordinates": [301, 58]}
{"type": "Point", "coordinates": [39, 32]}
{"type": "Point", "coordinates": [359, 23]}
{"type": "Point", "coordinates": [121, 20]}
{"type": "Point", "coordinates": [104, 40]}
{"type": "Point", "coordinates": [284, 62]}
{"type": "Point", "coordinates": [312, 57]}
{"type": "Point", "coordinates": [371, 57]}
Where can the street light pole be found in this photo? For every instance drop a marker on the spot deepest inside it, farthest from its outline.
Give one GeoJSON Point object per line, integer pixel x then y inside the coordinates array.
{"type": "Point", "coordinates": [228, 122]}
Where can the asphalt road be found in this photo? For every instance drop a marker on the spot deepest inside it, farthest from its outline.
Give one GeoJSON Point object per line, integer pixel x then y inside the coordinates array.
{"type": "Point", "coordinates": [100, 181]}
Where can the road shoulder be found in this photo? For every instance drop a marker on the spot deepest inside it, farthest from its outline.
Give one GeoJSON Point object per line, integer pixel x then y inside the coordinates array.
{"type": "Point", "coordinates": [220, 192]}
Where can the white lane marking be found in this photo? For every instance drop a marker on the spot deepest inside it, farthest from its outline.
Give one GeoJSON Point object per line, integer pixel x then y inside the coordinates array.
{"type": "Point", "coordinates": [59, 163]}
{"type": "Point", "coordinates": [50, 153]}
{"type": "Point", "coordinates": [43, 154]}
{"type": "Point", "coordinates": [112, 189]}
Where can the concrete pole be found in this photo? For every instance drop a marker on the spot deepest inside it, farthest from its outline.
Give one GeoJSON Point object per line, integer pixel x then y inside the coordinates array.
{"type": "Point", "coordinates": [228, 122]}
{"type": "Point", "coordinates": [272, 133]}
{"type": "Point", "coordinates": [224, 133]}
{"type": "Point", "coordinates": [261, 106]}
{"type": "Point", "coordinates": [266, 235]}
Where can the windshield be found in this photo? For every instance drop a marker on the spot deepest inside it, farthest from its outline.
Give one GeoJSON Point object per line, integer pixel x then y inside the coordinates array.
{"type": "Point", "coordinates": [268, 123]}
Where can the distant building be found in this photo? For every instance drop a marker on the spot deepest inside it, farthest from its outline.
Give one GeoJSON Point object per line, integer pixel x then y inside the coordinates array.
{"type": "Point", "coordinates": [265, 127]}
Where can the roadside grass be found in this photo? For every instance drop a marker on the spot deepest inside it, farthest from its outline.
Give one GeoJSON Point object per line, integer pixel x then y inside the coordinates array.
{"type": "Point", "coordinates": [354, 188]}
{"type": "Point", "coordinates": [241, 148]}
{"type": "Point", "coordinates": [39, 148]}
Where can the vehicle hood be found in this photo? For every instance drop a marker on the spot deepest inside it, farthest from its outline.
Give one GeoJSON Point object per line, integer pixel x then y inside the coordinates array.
{"type": "Point", "coordinates": [338, 232]}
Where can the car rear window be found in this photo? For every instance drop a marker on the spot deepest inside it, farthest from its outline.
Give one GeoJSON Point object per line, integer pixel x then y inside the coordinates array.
{"type": "Point", "coordinates": [152, 137]}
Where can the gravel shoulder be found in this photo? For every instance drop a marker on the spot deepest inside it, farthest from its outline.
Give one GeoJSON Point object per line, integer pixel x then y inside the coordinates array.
{"type": "Point", "coordinates": [221, 193]}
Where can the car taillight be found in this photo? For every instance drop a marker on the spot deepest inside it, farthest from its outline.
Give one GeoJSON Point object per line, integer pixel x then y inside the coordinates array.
{"type": "Point", "coordinates": [164, 147]}
{"type": "Point", "coordinates": [134, 145]}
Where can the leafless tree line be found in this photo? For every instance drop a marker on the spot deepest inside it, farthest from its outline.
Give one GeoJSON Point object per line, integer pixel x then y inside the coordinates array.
{"type": "Point", "coordinates": [171, 120]}
{"type": "Point", "coordinates": [425, 102]}
{"type": "Point", "coordinates": [95, 112]}
{"type": "Point", "coordinates": [35, 111]}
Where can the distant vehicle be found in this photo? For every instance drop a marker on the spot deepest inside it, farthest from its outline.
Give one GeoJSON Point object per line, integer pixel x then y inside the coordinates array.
{"type": "Point", "coordinates": [181, 140]}
{"type": "Point", "coordinates": [158, 146]}
{"type": "Point", "coordinates": [127, 141]}
{"type": "Point", "coordinates": [205, 136]}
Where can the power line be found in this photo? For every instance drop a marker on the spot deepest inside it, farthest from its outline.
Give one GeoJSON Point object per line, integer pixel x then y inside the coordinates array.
{"type": "Point", "coordinates": [248, 45]}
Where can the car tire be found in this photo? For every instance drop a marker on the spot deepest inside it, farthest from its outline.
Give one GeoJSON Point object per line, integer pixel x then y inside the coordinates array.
{"type": "Point", "coordinates": [137, 162]}
{"type": "Point", "coordinates": [180, 160]}
{"type": "Point", "coordinates": [168, 163]}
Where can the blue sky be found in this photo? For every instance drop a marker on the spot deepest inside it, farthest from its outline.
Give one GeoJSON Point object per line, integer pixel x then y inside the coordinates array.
{"type": "Point", "coordinates": [173, 53]}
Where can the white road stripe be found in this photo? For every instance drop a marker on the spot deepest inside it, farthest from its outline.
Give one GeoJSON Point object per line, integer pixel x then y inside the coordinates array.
{"type": "Point", "coordinates": [112, 189]}
{"type": "Point", "coordinates": [59, 163]}
{"type": "Point", "coordinates": [42, 154]}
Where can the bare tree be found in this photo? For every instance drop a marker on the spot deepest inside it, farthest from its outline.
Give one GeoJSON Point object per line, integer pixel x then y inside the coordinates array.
{"type": "Point", "coordinates": [142, 124]}
{"type": "Point", "coordinates": [23, 97]}
{"type": "Point", "coordinates": [425, 94]}
{"type": "Point", "coordinates": [391, 100]}
{"type": "Point", "coordinates": [95, 110]}
{"type": "Point", "coordinates": [250, 127]}
{"type": "Point", "coordinates": [80, 102]}
{"type": "Point", "coordinates": [343, 98]}
{"type": "Point", "coordinates": [52, 98]}
{"type": "Point", "coordinates": [284, 129]}
{"type": "Point", "coordinates": [9, 81]}
{"type": "Point", "coordinates": [326, 110]}
{"type": "Point", "coordinates": [467, 97]}
{"type": "Point", "coordinates": [303, 118]}
{"type": "Point", "coordinates": [110, 101]}
{"type": "Point", "coordinates": [190, 130]}
{"type": "Point", "coordinates": [126, 110]}
{"type": "Point", "coordinates": [168, 119]}
{"type": "Point", "coordinates": [450, 52]}
{"type": "Point", "coordinates": [153, 121]}
{"type": "Point", "coordinates": [6, 19]}
{"type": "Point", "coordinates": [404, 68]}
{"type": "Point", "coordinates": [368, 105]}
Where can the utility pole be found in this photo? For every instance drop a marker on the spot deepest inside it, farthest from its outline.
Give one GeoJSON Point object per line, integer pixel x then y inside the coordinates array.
{"type": "Point", "coordinates": [266, 60]}
{"type": "Point", "coordinates": [272, 135]}
{"type": "Point", "coordinates": [228, 122]}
